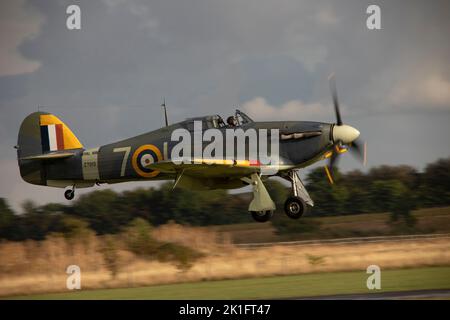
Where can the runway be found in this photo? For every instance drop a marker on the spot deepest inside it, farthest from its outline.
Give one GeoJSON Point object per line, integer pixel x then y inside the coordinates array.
{"type": "Point", "coordinates": [443, 294]}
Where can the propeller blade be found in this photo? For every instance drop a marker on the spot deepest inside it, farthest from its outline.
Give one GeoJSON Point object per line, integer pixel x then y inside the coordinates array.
{"type": "Point", "coordinates": [332, 81]}
{"type": "Point", "coordinates": [359, 151]}
{"type": "Point", "coordinates": [329, 169]}
{"type": "Point", "coordinates": [333, 160]}
{"type": "Point", "coordinates": [330, 178]}
{"type": "Point", "coordinates": [365, 154]}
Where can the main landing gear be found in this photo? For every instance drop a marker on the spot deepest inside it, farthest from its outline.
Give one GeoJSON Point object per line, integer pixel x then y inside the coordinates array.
{"type": "Point", "coordinates": [297, 204]}
{"type": "Point", "coordinates": [294, 207]}
{"type": "Point", "coordinates": [262, 206]}
{"type": "Point", "coordinates": [70, 193]}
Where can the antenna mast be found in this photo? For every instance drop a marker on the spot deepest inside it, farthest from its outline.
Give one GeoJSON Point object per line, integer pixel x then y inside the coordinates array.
{"type": "Point", "coordinates": [165, 112]}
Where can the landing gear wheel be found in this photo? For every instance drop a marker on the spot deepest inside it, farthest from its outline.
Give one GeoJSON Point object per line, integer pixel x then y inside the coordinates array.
{"type": "Point", "coordinates": [262, 216]}
{"type": "Point", "coordinates": [69, 194]}
{"type": "Point", "coordinates": [294, 207]}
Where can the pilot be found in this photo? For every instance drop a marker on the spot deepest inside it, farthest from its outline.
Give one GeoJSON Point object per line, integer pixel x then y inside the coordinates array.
{"type": "Point", "coordinates": [221, 122]}
{"type": "Point", "coordinates": [231, 121]}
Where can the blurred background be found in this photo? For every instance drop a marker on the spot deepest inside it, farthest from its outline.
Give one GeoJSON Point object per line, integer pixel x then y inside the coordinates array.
{"type": "Point", "coordinates": [271, 59]}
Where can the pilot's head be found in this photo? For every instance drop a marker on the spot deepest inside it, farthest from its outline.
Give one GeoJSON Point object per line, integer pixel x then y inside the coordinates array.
{"type": "Point", "coordinates": [231, 121]}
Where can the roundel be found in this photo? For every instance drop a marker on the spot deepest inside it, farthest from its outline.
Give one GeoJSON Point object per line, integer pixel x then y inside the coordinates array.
{"type": "Point", "coordinates": [143, 156]}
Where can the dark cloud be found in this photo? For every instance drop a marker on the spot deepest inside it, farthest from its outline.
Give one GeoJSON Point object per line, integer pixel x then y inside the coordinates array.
{"type": "Point", "coordinates": [262, 76]}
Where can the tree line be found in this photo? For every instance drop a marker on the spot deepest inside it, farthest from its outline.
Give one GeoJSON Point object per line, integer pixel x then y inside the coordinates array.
{"type": "Point", "coordinates": [395, 189]}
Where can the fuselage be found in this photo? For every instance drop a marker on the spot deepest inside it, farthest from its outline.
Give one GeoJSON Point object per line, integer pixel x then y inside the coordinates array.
{"type": "Point", "coordinates": [297, 144]}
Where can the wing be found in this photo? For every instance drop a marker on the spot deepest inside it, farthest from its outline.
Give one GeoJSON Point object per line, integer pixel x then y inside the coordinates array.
{"type": "Point", "coordinates": [209, 167]}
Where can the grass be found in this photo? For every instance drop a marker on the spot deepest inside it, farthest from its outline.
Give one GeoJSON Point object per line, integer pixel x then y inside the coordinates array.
{"type": "Point", "coordinates": [31, 267]}
{"type": "Point", "coordinates": [273, 287]}
{"type": "Point", "coordinates": [28, 268]}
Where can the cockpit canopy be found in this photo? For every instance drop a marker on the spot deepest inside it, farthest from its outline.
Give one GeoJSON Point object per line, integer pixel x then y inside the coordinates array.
{"type": "Point", "coordinates": [217, 122]}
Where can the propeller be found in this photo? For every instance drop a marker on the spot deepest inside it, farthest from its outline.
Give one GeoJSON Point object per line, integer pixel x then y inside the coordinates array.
{"type": "Point", "coordinates": [344, 137]}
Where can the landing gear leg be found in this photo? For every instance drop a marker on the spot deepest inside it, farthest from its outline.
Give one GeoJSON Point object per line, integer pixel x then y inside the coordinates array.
{"type": "Point", "coordinates": [262, 206]}
{"type": "Point", "coordinates": [70, 194]}
{"type": "Point", "coordinates": [296, 205]}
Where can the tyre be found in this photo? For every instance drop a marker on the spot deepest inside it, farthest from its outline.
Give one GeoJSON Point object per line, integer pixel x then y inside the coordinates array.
{"type": "Point", "coordinates": [294, 207]}
{"type": "Point", "coordinates": [69, 194]}
{"type": "Point", "coordinates": [262, 216]}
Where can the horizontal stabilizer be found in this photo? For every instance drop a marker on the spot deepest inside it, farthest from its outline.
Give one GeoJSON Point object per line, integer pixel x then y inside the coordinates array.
{"type": "Point", "coordinates": [49, 156]}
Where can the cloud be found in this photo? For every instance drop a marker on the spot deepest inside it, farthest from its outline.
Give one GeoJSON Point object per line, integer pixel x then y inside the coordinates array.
{"type": "Point", "coordinates": [18, 23]}
{"type": "Point", "coordinates": [327, 17]}
{"type": "Point", "coordinates": [259, 109]}
{"type": "Point", "coordinates": [138, 9]}
{"type": "Point", "coordinates": [114, 3]}
{"type": "Point", "coordinates": [431, 91]}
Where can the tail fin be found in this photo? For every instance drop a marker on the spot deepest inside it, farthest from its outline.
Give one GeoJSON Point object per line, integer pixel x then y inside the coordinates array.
{"type": "Point", "coordinates": [42, 133]}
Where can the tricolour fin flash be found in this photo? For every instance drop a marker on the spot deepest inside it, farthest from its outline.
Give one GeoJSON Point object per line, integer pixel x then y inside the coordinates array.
{"type": "Point", "coordinates": [56, 135]}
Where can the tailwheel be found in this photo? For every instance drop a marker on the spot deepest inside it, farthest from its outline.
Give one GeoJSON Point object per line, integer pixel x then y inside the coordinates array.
{"type": "Point", "coordinates": [294, 207]}
{"type": "Point", "coordinates": [69, 194]}
{"type": "Point", "coordinates": [262, 216]}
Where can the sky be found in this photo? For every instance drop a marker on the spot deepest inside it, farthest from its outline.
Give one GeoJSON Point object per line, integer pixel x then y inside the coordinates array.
{"type": "Point", "coordinates": [270, 58]}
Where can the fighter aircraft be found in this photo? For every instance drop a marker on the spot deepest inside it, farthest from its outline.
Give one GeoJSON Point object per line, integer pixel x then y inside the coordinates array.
{"type": "Point", "coordinates": [50, 154]}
